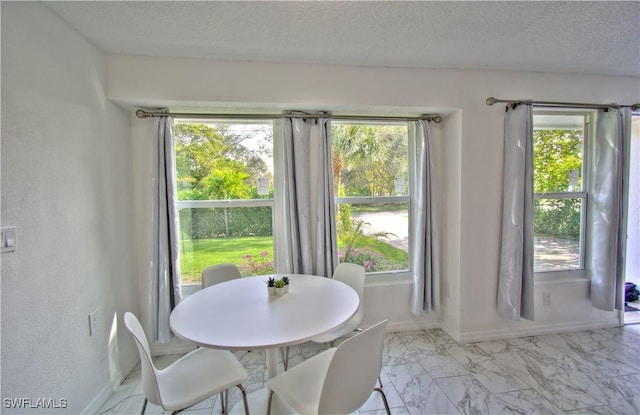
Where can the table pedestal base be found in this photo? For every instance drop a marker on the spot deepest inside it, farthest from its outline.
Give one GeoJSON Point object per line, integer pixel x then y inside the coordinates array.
{"type": "Point", "coordinates": [258, 402]}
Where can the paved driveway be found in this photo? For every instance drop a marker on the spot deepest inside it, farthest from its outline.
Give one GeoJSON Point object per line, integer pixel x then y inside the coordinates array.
{"type": "Point", "coordinates": [551, 253]}
{"type": "Point", "coordinates": [396, 223]}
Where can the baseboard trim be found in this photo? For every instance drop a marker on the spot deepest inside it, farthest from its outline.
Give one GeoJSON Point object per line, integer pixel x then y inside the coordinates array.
{"type": "Point", "coordinates": [412, 325]}
{"type": "Point", "coordinates": [105, 393]}
{"type": "Point", "coordinates": [510, 333]}
{"type": "Point", "coordinates": [454, 334]}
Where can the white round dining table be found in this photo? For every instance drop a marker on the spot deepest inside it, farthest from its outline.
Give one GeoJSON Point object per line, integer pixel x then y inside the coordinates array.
{"type": "Point", "coordinates": [241, 315]}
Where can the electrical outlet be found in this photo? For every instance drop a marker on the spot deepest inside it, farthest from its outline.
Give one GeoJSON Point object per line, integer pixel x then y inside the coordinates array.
{"type": "Point", "coordinates": [93, 323]}
{"type": "Point", "coordinates": [546, 298]}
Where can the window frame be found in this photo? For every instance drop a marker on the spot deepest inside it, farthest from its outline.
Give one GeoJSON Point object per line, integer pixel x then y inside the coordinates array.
{"type": "Point", "coordinates": [581, 271]}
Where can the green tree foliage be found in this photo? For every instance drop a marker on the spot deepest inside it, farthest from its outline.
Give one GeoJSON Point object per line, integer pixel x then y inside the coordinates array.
{"type": "Point", "coordinates": [368, 158]}
{"type": "Point", "coordinates": [200, 151]}
{"type": "Point", "coordinates": [212, 163]}
{"type": "Point", "coordinates": [557, 153]}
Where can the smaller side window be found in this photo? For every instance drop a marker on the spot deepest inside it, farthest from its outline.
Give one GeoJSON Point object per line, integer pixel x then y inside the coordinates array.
{"type": "Point", "coordinates": [559, 142]}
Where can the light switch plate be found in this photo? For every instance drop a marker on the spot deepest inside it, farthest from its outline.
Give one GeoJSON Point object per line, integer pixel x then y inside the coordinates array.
{"type": "Point", "coordinates": [7, 239]}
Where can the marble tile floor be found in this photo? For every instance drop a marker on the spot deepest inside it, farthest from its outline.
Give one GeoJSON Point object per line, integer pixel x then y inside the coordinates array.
{"type": "Point", "coordinates": [427, 372]}
{"type": "Point", "coordinates": [632, 317]}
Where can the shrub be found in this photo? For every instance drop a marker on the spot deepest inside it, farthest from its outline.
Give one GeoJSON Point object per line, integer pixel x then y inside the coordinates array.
{"type": "Point", "coordinates": [256, 264]}
{"type": "Point", "coordinates": [371, 260]}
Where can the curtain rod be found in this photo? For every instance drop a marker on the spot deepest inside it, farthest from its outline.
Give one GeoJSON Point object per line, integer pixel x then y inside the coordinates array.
{"type": "Point", "coordinates": [552, 104]}
{"type": "Point", "coordinates": [140, 113]}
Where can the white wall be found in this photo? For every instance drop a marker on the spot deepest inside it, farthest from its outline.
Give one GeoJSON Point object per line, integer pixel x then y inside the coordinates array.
{"type": "Point", "coordinates": [66, 174]}
{"type": "Point", "coordinates": [469, 149]}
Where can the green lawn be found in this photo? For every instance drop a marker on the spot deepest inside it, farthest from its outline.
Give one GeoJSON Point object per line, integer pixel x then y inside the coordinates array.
{"type": "Point", "coordinates": [198, 254]}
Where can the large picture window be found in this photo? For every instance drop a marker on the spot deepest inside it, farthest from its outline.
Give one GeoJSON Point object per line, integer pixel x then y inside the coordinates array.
{"type": "Point", "coordinates": [559, 142]}
{"type": "Point", "coordinates": [224, 174]}
{"type": "Point", "coordinates": [225, 181]}
{"type": "Point", "coordinates": [370, 169]}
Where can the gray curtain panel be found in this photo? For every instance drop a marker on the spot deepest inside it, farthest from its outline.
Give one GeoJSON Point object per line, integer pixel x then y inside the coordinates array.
{"type": "Point", "coordinates": [515, 284]}
{"type": "Point", "coordinates": [309, 245]}
{"type": "Point", "coordinates": [164, 276]}
{"type": "Point", "coordinates": [608, 188]}
{"type": "Point", "coordinates": [425, 244]}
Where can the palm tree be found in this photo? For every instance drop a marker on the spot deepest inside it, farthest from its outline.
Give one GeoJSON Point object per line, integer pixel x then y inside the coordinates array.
{"type": "Point", "coordinates": [353, 145]}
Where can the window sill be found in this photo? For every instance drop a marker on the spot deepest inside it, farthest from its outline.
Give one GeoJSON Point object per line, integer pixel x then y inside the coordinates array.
{"type": "Point", "coordinates": [388, 278]}
{"type": "Point", "coordinates": [557, 277]}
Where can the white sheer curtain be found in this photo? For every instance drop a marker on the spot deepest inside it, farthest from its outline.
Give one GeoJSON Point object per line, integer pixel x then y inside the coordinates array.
{"type": "Point", "coordinates": [515, 284]}
{"type": "Point", "coordinates": [425, 255]}
{"type": "Point", "coordinates": [608, 197]}
{"type": "Point", "coordinates": [306, 207]}
{"type": "Point", "coordinates": [164, 276]}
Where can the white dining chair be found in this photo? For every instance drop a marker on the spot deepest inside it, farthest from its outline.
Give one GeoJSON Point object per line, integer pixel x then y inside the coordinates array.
{"type": "Point", "coordinates": [215, 274]}
{"type": "Point", "coordinates": [191, 379]}
{"type": "Point", "coordinates": [337, 381]}
{"type": "Point", "coordinates": [353, 275]}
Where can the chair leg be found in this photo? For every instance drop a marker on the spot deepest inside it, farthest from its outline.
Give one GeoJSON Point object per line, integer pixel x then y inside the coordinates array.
{"type": "Point", "coordinates": [269, 403]}
{"type": "Point", "coordinates": [285, 357]}
{"type": "Point", "coordinates": [222, 402]}
{"type": "Point", "coordinates": [144, 406]}
{"type": "Point", "coordinates": [244, 399]}
{"type": "Point", "coordinates": [384, 400]}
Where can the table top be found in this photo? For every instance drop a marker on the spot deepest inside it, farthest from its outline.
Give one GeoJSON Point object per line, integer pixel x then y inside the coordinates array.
{"type": "Point", "coordinates": [240, 315]}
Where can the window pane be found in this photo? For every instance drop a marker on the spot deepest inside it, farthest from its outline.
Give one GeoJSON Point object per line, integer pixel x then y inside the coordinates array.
{"type": "Point", "coordinates": [369, 159]}
{"type": "Point", "coordinates": [557, 160]}
{"type": "Point", "coordinates": [217, 161]}
{"type": "Point", "coordinates": [224, 161]}
{"type": "Point", "coordinates": [375, 236]}
{"type": "Point", "coordinates": [557, 227]}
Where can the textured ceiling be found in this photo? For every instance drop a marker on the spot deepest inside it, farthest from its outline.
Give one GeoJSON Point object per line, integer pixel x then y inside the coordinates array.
{"type": "Point", "coordinates": [569, 37]}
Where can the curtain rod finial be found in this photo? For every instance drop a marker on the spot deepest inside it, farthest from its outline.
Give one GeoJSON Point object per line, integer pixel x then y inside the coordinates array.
{"type": "Point", "coordinates": [635, 107]}
{"type": "Point", "coordinates": [140, 113]}
{"type": "Point", "coordinates": [491, 101]}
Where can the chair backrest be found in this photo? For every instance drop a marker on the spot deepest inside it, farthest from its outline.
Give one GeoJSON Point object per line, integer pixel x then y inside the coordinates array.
{"type": "Point", "coordinates": [353, 371]}
{"type": "Point", "coordinates": [352, 275]}
{"type": "Point", "coordinates": [149, 378]}
{"type": "Point", "coordinates": [215, 274]}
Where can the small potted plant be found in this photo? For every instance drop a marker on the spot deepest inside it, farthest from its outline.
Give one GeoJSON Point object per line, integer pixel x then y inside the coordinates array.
{"type": "Point", "coordinates": [279, 287]}
{"type": "Point", "coordinates": [285, 279]}
{"type": "Point", "coordinates": [271, 285]}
